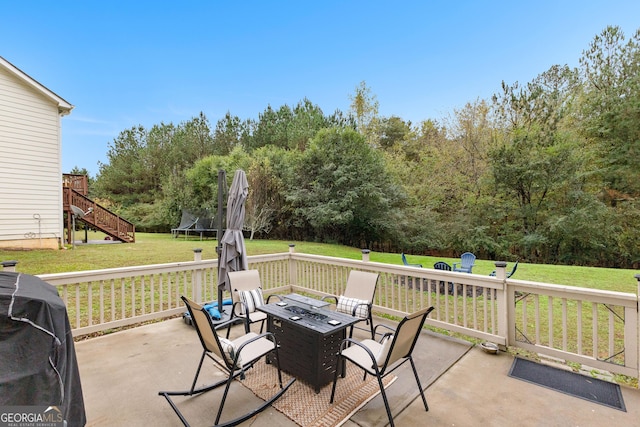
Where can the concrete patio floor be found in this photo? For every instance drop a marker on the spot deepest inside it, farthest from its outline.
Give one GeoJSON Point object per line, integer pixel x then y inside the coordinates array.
{"type": "Point", "coordinates": [121, 375]}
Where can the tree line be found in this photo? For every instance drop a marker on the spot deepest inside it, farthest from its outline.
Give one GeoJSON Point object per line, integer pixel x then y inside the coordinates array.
{"type": "Point", "coordinates": [544, 172]}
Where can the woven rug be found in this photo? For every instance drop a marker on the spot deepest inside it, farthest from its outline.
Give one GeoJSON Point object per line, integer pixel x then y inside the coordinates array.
{"type": "Point", "coordinates": [307, 408]}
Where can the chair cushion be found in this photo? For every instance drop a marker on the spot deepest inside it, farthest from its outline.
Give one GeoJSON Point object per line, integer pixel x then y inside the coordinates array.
{"type": "Point", "coordinates": [346, 305]}
{"type": "Point", "coordinates": [230, 350]}
{"type": "Point", "coordinates": [251, 299]}
{"type": "Point", "coordinates": [257, 316]}
{"type": "Point", "coordinates": [381, 357]}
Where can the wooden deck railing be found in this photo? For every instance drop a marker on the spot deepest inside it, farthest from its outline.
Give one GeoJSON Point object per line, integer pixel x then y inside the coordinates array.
{"type": "Point", "coordinates": [80, 183]}
{"type": "Point", "coordinates": [99, 217]}
{"type": "Point", "coordinates": [591, 327]}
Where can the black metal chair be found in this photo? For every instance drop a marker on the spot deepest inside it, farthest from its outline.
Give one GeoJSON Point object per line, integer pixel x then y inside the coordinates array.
{"type": "Point", "coordinates": [233, 357]}
{"type": "Point", "coordinates": [384, 357]}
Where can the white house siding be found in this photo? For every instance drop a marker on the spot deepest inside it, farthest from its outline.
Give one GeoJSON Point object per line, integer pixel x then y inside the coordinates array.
{"type": "Point", "coordinates": [30, 166]}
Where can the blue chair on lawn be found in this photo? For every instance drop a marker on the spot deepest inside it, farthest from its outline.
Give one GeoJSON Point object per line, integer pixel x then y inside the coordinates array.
{"type": "Point", "coordinates": [405, 262]}
{"type": "Point", "coordinates": [465, 265]}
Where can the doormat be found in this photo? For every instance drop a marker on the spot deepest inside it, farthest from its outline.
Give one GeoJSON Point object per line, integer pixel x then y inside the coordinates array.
{"type": "Point", "coordinates": [571, 383]}
{"type": "Point", "coordinates": [307, 408]}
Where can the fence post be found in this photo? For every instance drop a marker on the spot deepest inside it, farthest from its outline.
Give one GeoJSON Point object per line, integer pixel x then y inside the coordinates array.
{"type": "Point", "coordinates": [637, 337]}
{"type": "Point", "coordinates": [293, 267]}
{"type": "Point", "coordinates": [505, 302]}
{"type": "Point", "coordinates": [197, 279]}
{"type": "Point", "coordinates": [9, 265]}
{"type": "Point", "coordinates": [501, 270]}
{"type": "Point", "coordinates": [365, 255]}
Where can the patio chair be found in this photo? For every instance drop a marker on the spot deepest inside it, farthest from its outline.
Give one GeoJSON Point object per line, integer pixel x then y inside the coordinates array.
{"type": "Point", "coordinates": [381, 358]}
{"type": "Point", "coordinates": [467, 260]}
{"type": "Point", "coordinates": [233, 357]}
{"type": "Point", "coordinates": [511, 273]}
{"type": "Point", "coordinates": [357, 299]}
{"type": "Point", "coordinates": [405, 262]}
{"type": "Point", "coordinates": [246, 294]}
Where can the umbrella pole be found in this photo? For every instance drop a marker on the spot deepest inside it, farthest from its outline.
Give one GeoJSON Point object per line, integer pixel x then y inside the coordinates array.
{"type": "Point", "coordinates": [222, 186]}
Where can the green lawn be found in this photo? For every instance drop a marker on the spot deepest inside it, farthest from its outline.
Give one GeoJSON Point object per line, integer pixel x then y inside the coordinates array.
{"type": "Point", "coordinates": [163, 248]}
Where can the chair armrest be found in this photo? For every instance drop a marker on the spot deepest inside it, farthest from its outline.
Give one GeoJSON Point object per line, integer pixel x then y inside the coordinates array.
{"type": "Point", "coordinates": [324, 298]}
{"type": "Point", "coordinates": [226, 323]}
{"type": "Point", "coordinates": [274, 296]}
{"type": "Point", "coordinates": [375, 330]}
{"type": "Point", "coordinates": [351, 341]}
{"type": "Point", "coordinates": [355, 307]}
{"type": "Point", "coordinates": [267, 335]}
{"type": "Point", "coordinates": [242, 305]}
{"type": "Point", "coordinates": [385, 335]}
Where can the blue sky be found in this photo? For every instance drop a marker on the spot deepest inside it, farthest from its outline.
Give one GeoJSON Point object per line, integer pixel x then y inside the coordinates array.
{"type": "Point", "coordinates": [128, 63]}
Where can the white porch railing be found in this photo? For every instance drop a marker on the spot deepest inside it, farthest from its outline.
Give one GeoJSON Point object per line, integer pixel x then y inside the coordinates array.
{"type": "Point", "coordinates": [596, 328]}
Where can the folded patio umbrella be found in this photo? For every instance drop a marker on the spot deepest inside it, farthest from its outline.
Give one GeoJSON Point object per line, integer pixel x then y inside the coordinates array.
{"type": "Point", "coordinates": [233, 255]}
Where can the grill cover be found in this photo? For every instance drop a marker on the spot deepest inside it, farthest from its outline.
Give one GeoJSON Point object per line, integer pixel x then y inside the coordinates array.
{"type": "Point", "coordinates": [38, 365]}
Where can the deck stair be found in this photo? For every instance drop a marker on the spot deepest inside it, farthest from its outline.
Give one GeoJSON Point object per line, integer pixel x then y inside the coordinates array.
{"type": "Point", "coordinates": [96, 216]}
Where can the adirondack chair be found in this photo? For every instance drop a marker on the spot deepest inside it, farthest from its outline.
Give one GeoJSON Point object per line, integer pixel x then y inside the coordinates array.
{"type": "Point", "coordinates": [465, 265]}
{"type": "Point", "coordinates": [441, 265]}
{"type": "Point", "coordinates": [405, 262]}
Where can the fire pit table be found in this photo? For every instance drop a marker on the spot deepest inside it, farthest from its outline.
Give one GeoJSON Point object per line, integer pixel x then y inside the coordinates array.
{"type": "Point", "coordinates": [309, 335]}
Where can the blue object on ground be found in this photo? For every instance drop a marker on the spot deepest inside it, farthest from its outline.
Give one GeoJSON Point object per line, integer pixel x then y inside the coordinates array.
{"type": "Point", "coordinates": [213, 312]}
{"type": "Point", "coordinates": [211, 308]}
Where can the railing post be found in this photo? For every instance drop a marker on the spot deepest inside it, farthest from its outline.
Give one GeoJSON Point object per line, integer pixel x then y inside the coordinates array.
{"type": "Point", "coordinates": [365, 255]}
{"type": "Point", "coordinates": [501, 270]}
{"type": "Point", "coordinates": [293, 267]}
{"type": "Point", "coordinates": [9, 265]}
{"type": "Point", "coordinates": [197, 279]}
{"type": "Point", "coordinates": [505, 301]}
{"type": "Point", "coordinates": [637, 335]}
